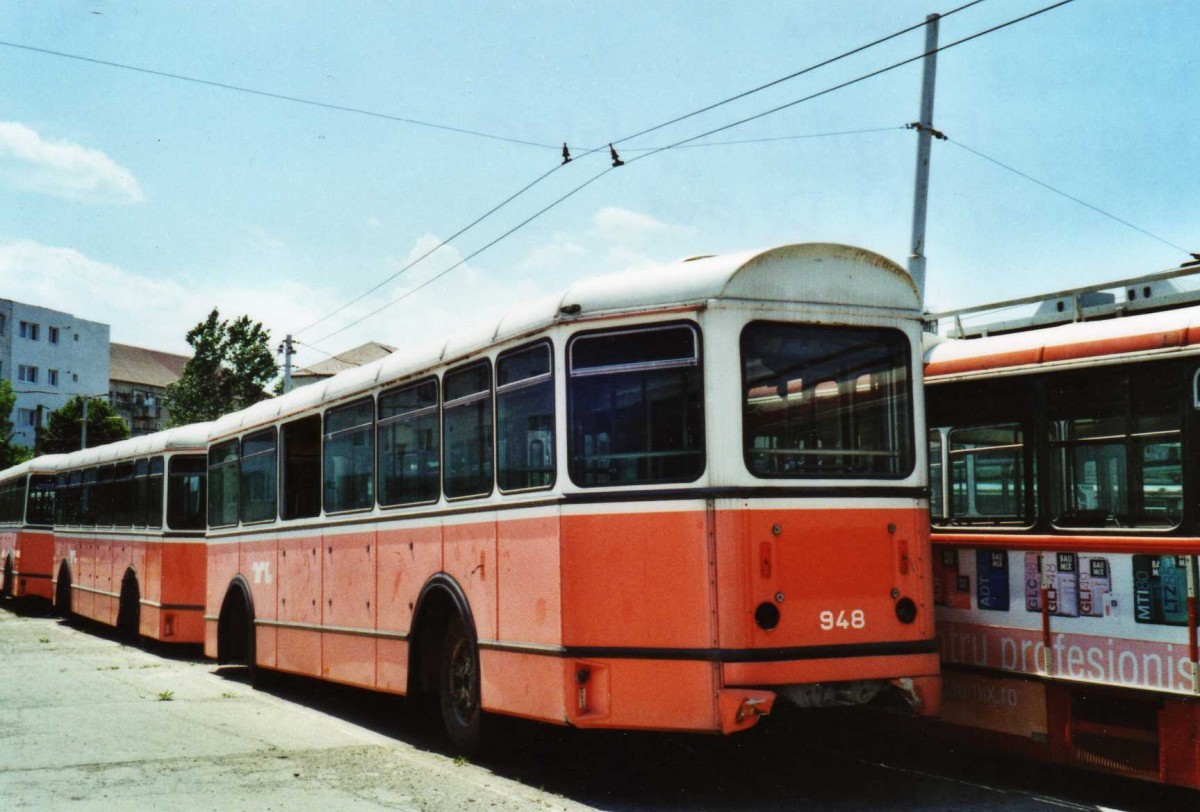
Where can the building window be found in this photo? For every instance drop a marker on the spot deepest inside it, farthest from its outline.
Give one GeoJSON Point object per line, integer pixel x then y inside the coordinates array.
{"type": "Point", "coordinates": [29, 330]}
{"type": "Point", "coordinates": [27, 374]}
{"type": "Point", "coordinates": [3, 324]}
{"type": "Point", "coordinates": [52, 377]}
{"type": "Point", "coordinates": [27, 417]}
{"type": "Point", "coordinates": [52, 335]}
{"type": "Point", "coordinates": [75, 377]}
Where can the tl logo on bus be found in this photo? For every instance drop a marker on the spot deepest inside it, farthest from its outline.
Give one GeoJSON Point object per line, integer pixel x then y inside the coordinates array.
{"type": "Point", "coordinates": [262, 571]}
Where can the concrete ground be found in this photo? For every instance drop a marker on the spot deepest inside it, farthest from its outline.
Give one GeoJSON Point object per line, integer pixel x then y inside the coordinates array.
{"type": "Point", "coordinates": [89, 724]}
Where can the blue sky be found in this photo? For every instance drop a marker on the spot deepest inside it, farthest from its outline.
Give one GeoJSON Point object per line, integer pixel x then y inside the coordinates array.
{"type": "Point", "coordinates": [144, 201]}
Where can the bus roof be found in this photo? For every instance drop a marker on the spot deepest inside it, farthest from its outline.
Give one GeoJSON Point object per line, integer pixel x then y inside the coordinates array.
{"type": "Point", "coordinates": [45, 464]}
{"type": "Point", "coordinates": [1148, 334]}
{"type": "Point", "coordinates": [814, 273]}
{"type": "Point", "coordinates": [182, 438]}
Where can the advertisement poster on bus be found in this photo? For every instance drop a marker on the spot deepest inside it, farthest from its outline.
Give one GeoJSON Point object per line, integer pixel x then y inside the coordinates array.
{"type": "Point", "coordinates": [1112, 619]}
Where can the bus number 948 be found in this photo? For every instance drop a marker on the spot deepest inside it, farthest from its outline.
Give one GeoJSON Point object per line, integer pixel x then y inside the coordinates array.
{"type": "Point", "coordinates": [854, 619]}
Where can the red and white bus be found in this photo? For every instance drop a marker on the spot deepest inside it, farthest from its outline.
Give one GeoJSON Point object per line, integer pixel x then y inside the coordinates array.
{"type": "Point", "coordinates": [129, 535]}
{"type": "Point", "coordinates": [656, 501]}
{"type": "Point", "coordinates": [1066, 529]}
{"type": "Point", "coordinates": [26, 527]}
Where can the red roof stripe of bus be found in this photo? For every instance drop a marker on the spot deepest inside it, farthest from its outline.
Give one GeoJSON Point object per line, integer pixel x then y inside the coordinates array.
{"type": "Point", "coordinates": [1150, 332]}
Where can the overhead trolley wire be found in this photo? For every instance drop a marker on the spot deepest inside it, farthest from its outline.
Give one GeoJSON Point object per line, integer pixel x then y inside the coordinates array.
{"type": "Point", "coordinates": [441, 244]}
{"type": "Point", "coordinates": [791, 76]}
{"type": "Point", "coordinates": [1070, 197]}
{"type": "Point", "coordinates": [587, 152]}
{"type": "Point", "coordinates": [278, 96]}
{"type": "Point", "coordinates": [737, 123]}
{"type": "Point", "coordinates": [855, 81]}
{"type": "Point", "coordinates": [774, 138]}
{"type": "Point", "coordinates": [468, 257]}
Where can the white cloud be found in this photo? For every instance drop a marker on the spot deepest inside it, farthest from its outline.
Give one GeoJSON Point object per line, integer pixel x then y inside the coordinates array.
{"type": "Point", "coordinates": [62, 168]}
{"type": "Point", "coordinates": [552, 254]}
{"type": "Point", "coordinates": [265, 240]}
{"type": "Point", "coordinates": [623, 225]}
{"type": "Point", "coordinates": [618, 240]}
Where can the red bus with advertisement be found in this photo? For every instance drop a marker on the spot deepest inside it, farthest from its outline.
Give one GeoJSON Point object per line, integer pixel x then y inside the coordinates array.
{"type": "Point", "coordinates": [27, 527]}
{"type": "Point", "coordinates": [1066, 529]}
{"type": "Point", "coordinates": [129, 535]}
{"type": "Point", "coordinates": [658, 501]}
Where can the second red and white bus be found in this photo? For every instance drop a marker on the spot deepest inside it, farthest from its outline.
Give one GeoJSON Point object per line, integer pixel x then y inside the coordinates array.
{"type": "Point", "coordinates": [1066, 529]}
{"type": "Point", "coordinates": [129, 535]}
{"type": "Point", "coordinates": [26, 527]}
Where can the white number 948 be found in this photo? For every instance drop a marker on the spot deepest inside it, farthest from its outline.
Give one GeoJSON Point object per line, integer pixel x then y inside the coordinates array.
{"type": "Point", "coordinates": [854, 619]}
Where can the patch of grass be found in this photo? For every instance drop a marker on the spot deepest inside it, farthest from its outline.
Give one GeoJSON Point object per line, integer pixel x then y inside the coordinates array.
{"type": "Point", "coordinates": [108, 668]}
{"type": "Point", "coordinates": [460, 761]}
{"type": "Point", "coordinates": [43, 639]}
{"type": "Point", "coordinates": [166, 696]}
{"type": "Point", "coordinates": [228, 695]}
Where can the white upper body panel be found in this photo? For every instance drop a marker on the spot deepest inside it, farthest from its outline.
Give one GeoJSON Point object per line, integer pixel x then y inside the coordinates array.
{"type": "Point", "coordinates": [822, 274]}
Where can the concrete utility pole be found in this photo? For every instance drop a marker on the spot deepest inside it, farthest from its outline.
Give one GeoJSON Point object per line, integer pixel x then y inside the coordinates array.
{"type": "Point", "coordinates": [916, 262]}
{"type": "Point", "coordinates": [286, 349]}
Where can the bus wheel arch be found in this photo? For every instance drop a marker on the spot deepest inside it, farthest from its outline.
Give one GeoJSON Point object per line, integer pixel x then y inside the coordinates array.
{"type": "Point", "coordinates": [235, 624]}
{"type": "Point", "coordinates": [444, 659]}
{"type": "Point", "coordinates": [6, 589]}
{"type": "Point", "coordinates": [62, 591]}
{"type": "Point", "coordinates": [129, 607]}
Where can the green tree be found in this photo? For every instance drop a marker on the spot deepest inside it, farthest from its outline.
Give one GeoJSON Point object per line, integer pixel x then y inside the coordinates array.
{"type": "Point", "coordinates": [231, 364]}
{"type": "Point", "coordinates": [64, 427]}
{"type": "Point", "coordinates": [10, 452]}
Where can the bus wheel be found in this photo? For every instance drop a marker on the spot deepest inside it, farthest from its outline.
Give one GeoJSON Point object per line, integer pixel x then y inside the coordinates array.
{"type": "Point", "coordinates": [129, 610]}
{"type": "Point", "coordinates": [458, 687]}
{"type": "Point", "coordinates": [62, 593]}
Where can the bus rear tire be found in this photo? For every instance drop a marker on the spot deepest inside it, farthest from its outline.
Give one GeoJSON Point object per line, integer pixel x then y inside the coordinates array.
{"type": "Point", "coordinates": [458, 688]}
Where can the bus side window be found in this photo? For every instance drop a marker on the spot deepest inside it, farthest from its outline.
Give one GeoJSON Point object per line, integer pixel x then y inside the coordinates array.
{"type": "Point", "coordinates": [349, 457]}
{"type": "Point", "coordinates": [635, 404]}
{"type": "Point", "coordinates": [467, 430]}
{"type": "Point", "coordinates": [223, 484]}
{"type": "Point", "coordinates": [525, 418]}
{"type": "Point", "coordinates": [301, 452]}
{"type": "Point", "coordinates": [409, 445]}
{"type": "Point", "coordinates": [185, 492]}
{"type": "Point", "coordinates": [258, 476]}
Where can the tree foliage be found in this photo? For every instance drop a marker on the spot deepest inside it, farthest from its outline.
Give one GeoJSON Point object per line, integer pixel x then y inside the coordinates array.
{"type": "Point", "coordinates": [64, 427]}
{"type": "Point", "coordinates": [231, 364]}
{"type": "Point", "coordinates": [10, 452]}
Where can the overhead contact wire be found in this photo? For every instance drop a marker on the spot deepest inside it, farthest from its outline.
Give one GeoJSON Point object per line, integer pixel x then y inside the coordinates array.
{"type": "Point", "coordinates": [855, 81]}
{"type": "Point", "coordinates": [681, 143]}
{"type": "Point", "coordinates": [277, 96]}
{"type": "Point", "coordinates": [1070, 197]}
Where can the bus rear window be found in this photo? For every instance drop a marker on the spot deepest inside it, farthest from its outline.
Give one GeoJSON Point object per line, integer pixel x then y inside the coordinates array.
{"type": "Point", "coordinates": [825, 401]}
{"type": "Point", "coordinates": [636, 406]}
